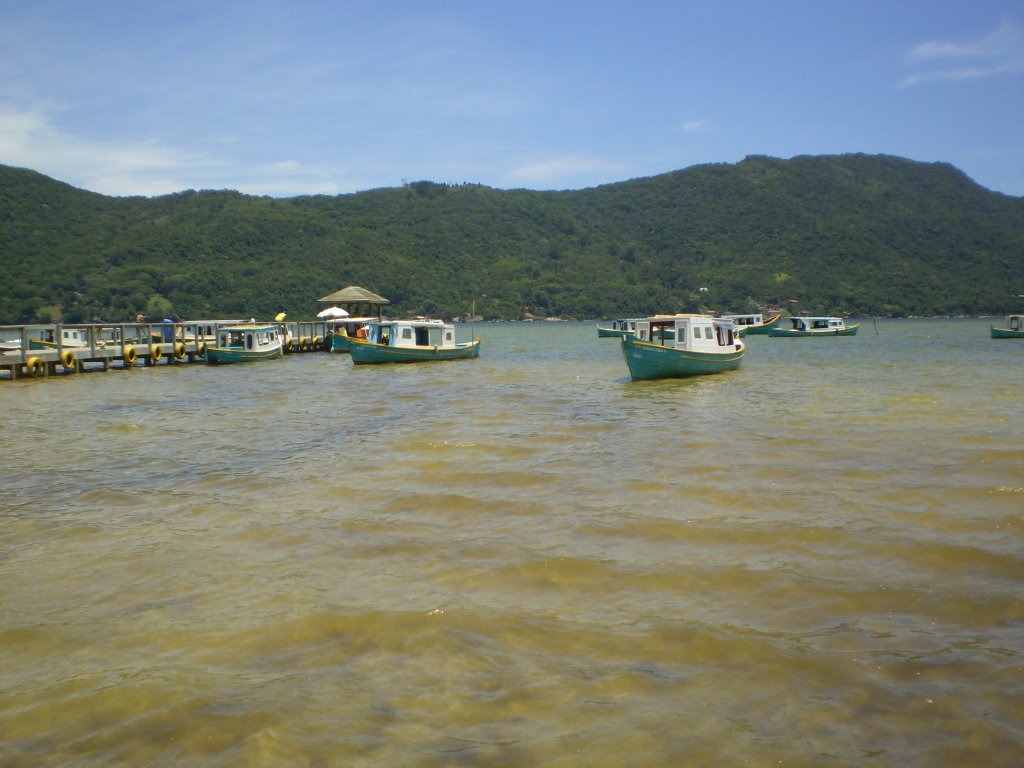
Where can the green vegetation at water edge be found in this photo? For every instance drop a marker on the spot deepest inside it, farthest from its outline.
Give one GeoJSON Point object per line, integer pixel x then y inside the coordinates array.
{"type": "Point", "coordinates": [850, 234]}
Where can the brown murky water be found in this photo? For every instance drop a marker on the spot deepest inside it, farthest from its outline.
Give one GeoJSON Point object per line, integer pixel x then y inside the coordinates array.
{"type": "Point", "coordinates": [816, 560]}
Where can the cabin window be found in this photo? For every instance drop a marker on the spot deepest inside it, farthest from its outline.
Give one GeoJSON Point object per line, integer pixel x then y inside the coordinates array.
{"type": "Point", "coordinates": [407, 333]}
{"type": "Point", "coordinates": [248, 340]}
{"type": "Point", "coordinates": [681, 334]}
{"type": "Point", "coordinates": [707, 332]}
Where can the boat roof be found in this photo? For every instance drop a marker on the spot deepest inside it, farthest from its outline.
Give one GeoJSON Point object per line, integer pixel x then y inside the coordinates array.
{"type": "Point", "coordinates": [680, 316]}
{"type": "Point", "coordinates": [353, 294]}
{"type": "Point", "coordinates": [249, 326]}
{"type": "Point", "coordinates": [411, 321]}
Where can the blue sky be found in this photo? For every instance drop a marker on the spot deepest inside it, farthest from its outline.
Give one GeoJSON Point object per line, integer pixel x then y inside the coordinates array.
{"type": "Point", "coordinates": [284, 98]}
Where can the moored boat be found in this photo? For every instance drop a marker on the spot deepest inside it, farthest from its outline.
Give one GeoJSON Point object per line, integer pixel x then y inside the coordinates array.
{"type": "Point", "coordinates": [617, 329]}
{"type": "Point", "coordinates": [1014, 328]}
{"type": "Point", "coordinates": [410, 341]}
{"type": "Point", "coordinates": [801, 325]}
{"type": "Point", "coordinates": [340, 332]}
{"type": "Point", "coordinates": [53, 338]}
{"type": "Point", "coordinates": [677, 346]}
{"type": "Point", "coordinates": [752, 324]}
{"type": "Point", "coordinates": [246, 342]}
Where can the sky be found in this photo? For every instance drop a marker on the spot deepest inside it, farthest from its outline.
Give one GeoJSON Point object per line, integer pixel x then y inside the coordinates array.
{"type": "Point", "coordinates": [304, 97]}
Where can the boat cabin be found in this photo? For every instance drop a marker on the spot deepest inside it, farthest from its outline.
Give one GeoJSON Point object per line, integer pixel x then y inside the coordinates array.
{"type": "Point", "coordinates": [252, 337]}
{"type": "Point", "coordinates": [411, 333]}
{"type": "Point", "coordinates": [819, 324]}
{"type": "Point", "coordinates": [691, 333]}
{"type": "Point", "coordinates": [69, 337]}
{"type": "Point", "coordinates": [1015, 322]}
{"type": "Point", "coordinates": [743, 321]}
{"type": "Point", "coordinates": [352, 326]}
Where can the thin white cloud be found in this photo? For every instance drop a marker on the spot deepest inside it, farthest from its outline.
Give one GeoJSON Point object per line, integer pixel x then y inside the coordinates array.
{"type": "Point", "coordinates": [29, 139]}
{"type": "Point", "coordinates": [695, 126]}
{"type": "Point", "coordinates": [998, 53]}
{"type": "Point", "coordinates": [564, 172]}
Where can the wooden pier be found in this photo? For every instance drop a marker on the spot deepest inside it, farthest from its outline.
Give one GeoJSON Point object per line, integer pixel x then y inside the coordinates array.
{"type": "Point", "coordinates": [37, 351]}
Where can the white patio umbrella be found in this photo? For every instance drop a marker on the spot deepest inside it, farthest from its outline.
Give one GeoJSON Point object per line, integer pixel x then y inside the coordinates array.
{"type": "Point", "coordinates": [332, 312]}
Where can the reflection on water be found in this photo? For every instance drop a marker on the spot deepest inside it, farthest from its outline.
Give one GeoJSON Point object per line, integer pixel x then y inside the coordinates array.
{"type": "Point", "coordinates": [523, 559]}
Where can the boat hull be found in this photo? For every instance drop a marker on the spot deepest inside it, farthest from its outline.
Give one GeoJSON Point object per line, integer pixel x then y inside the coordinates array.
{"type": "Point", "coordinates": [225, 355]}
{"type": "Point", "coordinates": [1006, 333]}
{"type": "Point", "coordinates": [365, 352]}
{"type": "Point", "coordinates": [338, 342]}
{"type": "Point", "coordinates": [850, 330]}
{"type": "Point", "coordinates": [610, 333]}
{"type": "Point", "coordinates": [758, 330]}
{"type": "Point", "coordinates": [654, 361]}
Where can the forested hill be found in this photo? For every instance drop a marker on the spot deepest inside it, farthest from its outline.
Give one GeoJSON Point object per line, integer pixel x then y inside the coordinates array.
{"type": "Point", "coordinates": [855, 234]}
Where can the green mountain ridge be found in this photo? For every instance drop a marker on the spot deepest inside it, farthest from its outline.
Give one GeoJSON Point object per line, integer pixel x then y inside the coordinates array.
{"type": "Point", "coordinates": [853, 234]}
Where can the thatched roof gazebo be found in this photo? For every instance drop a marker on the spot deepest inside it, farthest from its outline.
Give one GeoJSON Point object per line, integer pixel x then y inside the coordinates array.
{"type": "Point", "coordinates": [353, 297]}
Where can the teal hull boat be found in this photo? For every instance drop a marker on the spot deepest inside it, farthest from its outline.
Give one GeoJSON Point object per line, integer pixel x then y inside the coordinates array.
{"type": "Point", "coordinates": [802, 326]}
{"type": "Point", "coordinates": [338, 342]}
{"type": "Point", "coordinates": [410, 341]}
{"type": "Point", "coordinates": [700, 345]}
{"type": "Point", "coordinates": [1014, 328]}
{"type": "Point", "coordinates": [221, 355]}
{"type": "Point", "coordinates": [367, 352]}
{"type": "Point", "coordinates": [753, 325]}
{"type": "Point", "coordinates": [850, 330]}
{"type": "Point", "coordinates": [617, 329]}
{"type": "Point", "coordinates": [1005, 333]}
{"type": "Point", "coordinates": [246, 343]}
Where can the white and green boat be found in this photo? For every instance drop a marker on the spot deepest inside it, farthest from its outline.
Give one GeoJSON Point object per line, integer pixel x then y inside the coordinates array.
{"type": "Point", "coordinates": [752, 324]}
{"type": "Point", "coordinates": [678, 346]}
{"type": "Point", "coordinates": [246, 343]}
{"type": "Point", "coordinates": [410, 341]}
{"type": "Point", "coordinates": [341, 332]}
{"type": "Point", "coordinates": [617, 328]}
{"type": "Point", "coordinates": [802, 326]}
{"type": "Point", "coordinates": [1014, 328]}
